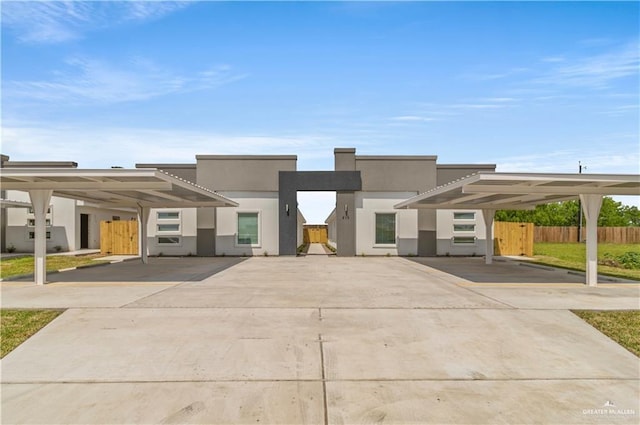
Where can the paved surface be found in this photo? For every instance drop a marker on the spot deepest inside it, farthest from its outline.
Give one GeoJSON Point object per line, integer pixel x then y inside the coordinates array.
{"type": "Point", "coordinates": [317, 249]}
{"type": "Point", "coordinates": [316, 340]}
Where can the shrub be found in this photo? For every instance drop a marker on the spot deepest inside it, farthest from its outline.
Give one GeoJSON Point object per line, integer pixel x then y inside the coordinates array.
{"type": "Point", "coordinates": [630, 260]}
{"type": "Point", "coordinates": [627, 260]}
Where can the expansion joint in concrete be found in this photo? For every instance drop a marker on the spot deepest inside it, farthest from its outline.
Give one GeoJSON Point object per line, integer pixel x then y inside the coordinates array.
{"type": "Point", "coordinates": [324, 381]}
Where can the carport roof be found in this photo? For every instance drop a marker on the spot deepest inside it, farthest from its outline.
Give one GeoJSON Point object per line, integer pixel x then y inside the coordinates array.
{"type": "Point", "coordinates": [115, 187]}
{"type": "Point", "coordinates": [489, 190]}
{"type": "Point", "coordinates": [7, 203]}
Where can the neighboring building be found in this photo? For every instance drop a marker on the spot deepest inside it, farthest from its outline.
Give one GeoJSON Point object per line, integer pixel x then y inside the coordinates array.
{"type": "Point", "coordinates": [71, 224]}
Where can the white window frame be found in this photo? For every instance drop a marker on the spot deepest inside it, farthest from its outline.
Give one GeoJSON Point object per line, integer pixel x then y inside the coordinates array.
{"type": "Point", "coordinates": [48, 217]}
{"type": "Point", "coordinates": [395, 232]}
{"type": "Point", "coordinates": [453, 240]}
{"type": "Point", "coordinates": [30, 210]}
{"type": "Point", "coordinates": [29, 232]}
{"type": "Point", "coordinates": [29, 219]}
{"type": "Point", "coordinates": [160, 221]}
{"type": "Point", "coordinates": [464, 212]}
{"type": "Point", "coordinates": [159, 243]}
{"type": "Point", "coordinates": [456, 231]}
{"type": "Point", "coordinates": [235, 235]}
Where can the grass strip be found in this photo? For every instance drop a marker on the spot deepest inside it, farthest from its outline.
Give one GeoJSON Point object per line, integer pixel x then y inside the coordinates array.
{"type": "Point", "coordinates": [16, 326]}
{"type": "Point", "coordinates": [621, 326]}
{"type": "Point", "coordinates": [573, 256]}
{"type": "Point", "coordinates": [24, 265]}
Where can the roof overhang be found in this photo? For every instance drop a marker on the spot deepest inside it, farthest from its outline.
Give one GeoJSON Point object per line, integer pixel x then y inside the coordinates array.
{"type": "Point", "coordinates": [488, 190]}
{"type": "Point", "coordinates": [115, 188]}
{"type": "Point", "coordinates": [7, 203]}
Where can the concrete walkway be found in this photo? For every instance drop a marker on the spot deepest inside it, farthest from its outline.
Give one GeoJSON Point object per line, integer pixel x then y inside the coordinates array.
{"type": "Point", "coordinates": [317, 249]}
{"type": "Point", "coordinates": [317, 340]}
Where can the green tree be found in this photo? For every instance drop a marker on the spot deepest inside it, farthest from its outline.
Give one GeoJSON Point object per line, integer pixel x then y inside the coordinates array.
{"type": "Point", "coordinates": [612, 213]}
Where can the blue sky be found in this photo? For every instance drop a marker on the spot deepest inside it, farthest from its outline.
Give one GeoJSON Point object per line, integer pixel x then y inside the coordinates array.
{"type": "Point", "coordinates": [531, 87]}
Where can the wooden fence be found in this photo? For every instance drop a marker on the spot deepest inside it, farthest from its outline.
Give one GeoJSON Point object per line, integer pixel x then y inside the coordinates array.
{"type": "Point", "coordinates": [570, 234]}
{"type": "Point", "coordinates": [315, 233]}
{"type": "Point", "coordinates": [513, 238]}
{"type": "Point", "coordinates": [119, 237]}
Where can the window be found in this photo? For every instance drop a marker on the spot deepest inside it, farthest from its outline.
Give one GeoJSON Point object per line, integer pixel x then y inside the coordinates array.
{"type": "Point", "coordinates": [31, 210]}
{"type": "Point", "coordinates": [464, 240]}
{"type": "Point", "coordinates": [168, 222]}
{"type": "Point", "coordinates": [385, 229]}
{"type": "Point", "coordinates": [31, 222]}
{"type": "Point", "coordinates": [464, 215]}
{"type": "Point", "coordinates": [168, 240]}
{"type": "Point", "coordinates": [32, 235]}
{"type": "Point", "coordinates": [464, 227]}
{"type": "Point", "coordinates": [168, 215]}
{"type": "Point", "coordinates": [248, 229]}
{"type": "Point", "coordinates": [174, 227]}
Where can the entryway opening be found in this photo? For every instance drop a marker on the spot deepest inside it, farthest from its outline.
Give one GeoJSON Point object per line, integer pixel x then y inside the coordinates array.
{"type": "Point", "coordinates": [316, 208]}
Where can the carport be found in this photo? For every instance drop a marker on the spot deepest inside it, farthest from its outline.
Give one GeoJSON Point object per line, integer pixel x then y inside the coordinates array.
{"type": "Point", "coordinates": [108, 188]}
{"type": "Point", "coordinates": [516, 191]}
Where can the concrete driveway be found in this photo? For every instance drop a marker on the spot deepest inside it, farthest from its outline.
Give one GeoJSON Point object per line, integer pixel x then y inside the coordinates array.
{"type": "Point", "coordinates": [318, 340]}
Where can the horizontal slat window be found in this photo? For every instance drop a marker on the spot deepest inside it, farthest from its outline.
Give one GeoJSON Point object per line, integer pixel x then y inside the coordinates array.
{"type": "Point", "coordinates": [464, 227]}
{"type": "Point", "coordinates": [465, 215]}
{"type": "Point", "coordinates": [168, 240]}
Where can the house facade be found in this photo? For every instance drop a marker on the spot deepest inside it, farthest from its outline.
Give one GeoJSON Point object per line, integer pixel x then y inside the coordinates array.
{"type": "Point", "coordinates": [364, 221]}
{"type": "Point", "coordinates": [267, 220]}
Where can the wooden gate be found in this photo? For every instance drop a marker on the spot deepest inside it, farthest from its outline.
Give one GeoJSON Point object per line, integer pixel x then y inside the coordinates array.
{"type": "Point", "coordinates": [119, 237]}
{"type": "Point", "coordinates": [315, 233]}
{"type": "Point", "coordinates": [513, 238]}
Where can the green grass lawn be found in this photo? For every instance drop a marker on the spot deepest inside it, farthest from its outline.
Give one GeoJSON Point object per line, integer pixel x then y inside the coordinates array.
{"type": "Point", "coordinates": [24, 265]}
{"type": "Point", "coordinates": [621, 326]}
{"type": "Point", "coordinates": [573, 256]}
{"type": "Point", "coordinates": [16, 326]}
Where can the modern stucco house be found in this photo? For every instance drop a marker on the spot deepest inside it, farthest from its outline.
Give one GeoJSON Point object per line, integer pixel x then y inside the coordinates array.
{"type": "Point", "coordinates": [267, 220]}
{"type": "Point", "coordinates": [363, 222]}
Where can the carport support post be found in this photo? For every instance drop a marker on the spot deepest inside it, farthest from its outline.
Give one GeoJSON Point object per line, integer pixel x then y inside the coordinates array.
{"type": "Point", "coordinates": [488, 215]}
{"type": "Point", "coordinates": [40, 202]}
{"type": "Point", "coordinates": [143, 220]}
{"type": "Point", "coordinates": [591, 206]}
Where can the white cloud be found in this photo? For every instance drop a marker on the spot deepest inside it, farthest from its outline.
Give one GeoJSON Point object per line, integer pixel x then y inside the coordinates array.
{"type": "Point", "coordinates": [59, 21]}
{"type": "Point", "coordinates": [91, 80]}
{"type": "Point", "coordinates": [96, 147]}
{"type": "Point", "coordinates": [427, 112]}
{"type": "Point", "coordinates": [597, 71]}
{"type": "Point", "coordinates": [618, 158]}
{"type": "Point", "coordinates": [414, 118]}
{"type": "Point", "coordinates": [478, 76]}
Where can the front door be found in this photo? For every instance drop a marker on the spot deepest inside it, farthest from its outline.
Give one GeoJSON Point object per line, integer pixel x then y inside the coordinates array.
{"type": "Point", "coordinates": [84, 231]}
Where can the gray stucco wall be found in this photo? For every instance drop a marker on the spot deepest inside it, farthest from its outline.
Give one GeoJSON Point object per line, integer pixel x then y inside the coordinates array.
{"type": "Point", "coordinates": [184, 171]}
{"type": "Point", "coordinates": [403, 174]}
{"type": "Point", "coordinates": [343, 182]}
{"type": "Point", "coordinates": [252, 173]}
{"type": "Point", "coordinates": [450, 172]}
{"type": "Point", "coordinates": [397, 173]}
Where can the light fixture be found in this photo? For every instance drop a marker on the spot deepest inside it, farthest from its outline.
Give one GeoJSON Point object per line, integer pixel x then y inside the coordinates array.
{"type": "Point", "coordinates": [286, 208]}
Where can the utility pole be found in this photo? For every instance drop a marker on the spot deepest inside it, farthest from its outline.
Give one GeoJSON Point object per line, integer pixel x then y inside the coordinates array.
{"type": "Point", "coordinates": [580, 207]}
